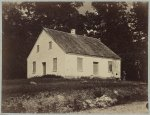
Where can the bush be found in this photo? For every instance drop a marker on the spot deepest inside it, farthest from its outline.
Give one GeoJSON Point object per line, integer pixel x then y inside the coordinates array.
{"type": "Point", "coordinates": [84, 78]}
{"type": "Point", "coordinates": [98, 92]}
{"type": "Point", "coordinates": [47, 76]}
{"type": "Point", "coordinates": [52, 76]}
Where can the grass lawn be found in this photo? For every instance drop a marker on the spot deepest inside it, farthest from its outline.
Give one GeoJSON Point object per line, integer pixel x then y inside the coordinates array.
{"type": "Point", "coordinates": [67, 95]}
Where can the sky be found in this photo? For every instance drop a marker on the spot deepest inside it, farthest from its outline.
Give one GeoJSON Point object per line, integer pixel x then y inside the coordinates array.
{"type": "Point", "coordinates": [86, 7]}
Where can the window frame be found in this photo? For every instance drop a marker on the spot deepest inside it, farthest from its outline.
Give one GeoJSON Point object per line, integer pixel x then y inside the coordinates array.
{"type": "Point", "coordinates": [110, 64]}
{"type": "Point", "coordinates": [79, 64]}
{"type": "Point", "coordinates": [95, 63]}
{"type": "Point", "coordinates": [34, 67]}
{"type": "Point", "coordinates": [50, 45]}
{"type": "Point", "coordinates": [55, 64]}
{"type": "Point", "coordinates": [37, 48]}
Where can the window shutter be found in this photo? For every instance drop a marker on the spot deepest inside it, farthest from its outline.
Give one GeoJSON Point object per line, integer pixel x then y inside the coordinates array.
{"type": "Point", "coordinates": [79, 64]}
{"type": "Point", "coordinates": [50, 45]}
{"type": "Point", "coordinates": [110, 66]}
{"type": "Point", "coordinates": [34, 67]}
{"type": "Point", "coordinates": [95, 68]}
{"type": "Point", "coordinates": [55, 64]}
{"type": "Point", "coordinates": [38, 48]}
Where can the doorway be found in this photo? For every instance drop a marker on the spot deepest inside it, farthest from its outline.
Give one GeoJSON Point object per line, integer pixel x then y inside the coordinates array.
{"type": "Point", "coordinates": [44, 68]}
{"type": "Point", "coordinates": [95, 68]}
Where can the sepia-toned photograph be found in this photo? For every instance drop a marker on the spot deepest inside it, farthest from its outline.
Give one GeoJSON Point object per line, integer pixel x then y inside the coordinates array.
{"type": "Point", "coordinates": [75, 57]}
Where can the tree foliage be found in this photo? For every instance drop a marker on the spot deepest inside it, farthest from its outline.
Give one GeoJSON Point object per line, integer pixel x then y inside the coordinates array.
{"type": "Point", "coordinates": [22, 24]}
{"type": "Point", "coordinates": [126, 34]}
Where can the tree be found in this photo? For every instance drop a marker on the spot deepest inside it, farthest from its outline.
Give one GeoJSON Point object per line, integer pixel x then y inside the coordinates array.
{"type": "Point", "coordinates": [120, 26]}
{"type": "Point", "coordinates": [13, 38]}
{"type": "Point", "coordinates": [22, 24]}
{"type": "Point", "coordinates": [139, 14]}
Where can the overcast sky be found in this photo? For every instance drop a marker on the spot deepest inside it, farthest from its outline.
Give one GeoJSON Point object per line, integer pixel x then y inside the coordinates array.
{"type": "Point", "coordinates": [86, 7]}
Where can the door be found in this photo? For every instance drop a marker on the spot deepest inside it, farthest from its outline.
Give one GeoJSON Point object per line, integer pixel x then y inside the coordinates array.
{"type": "Point", "coordinates": [44, 68]}
{"type": "Point", "coordinates": [95, 68]}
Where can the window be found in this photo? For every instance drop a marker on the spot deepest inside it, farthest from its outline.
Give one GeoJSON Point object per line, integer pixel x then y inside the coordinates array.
{"type": "Point", "coordinates": [54, 64]}
{"type": "Point", "coordinates": [38, 47]}
{"type": "Point", "coordinates": [34, 67]}
{"type": "Point", "coordinates": [110, 66]}
{"type": "Point", "coordinates": [50, 45]}
{"type": "Point", "coordinates": [79, 64]}
{"type": "Point", "coordinates": [95, 68]}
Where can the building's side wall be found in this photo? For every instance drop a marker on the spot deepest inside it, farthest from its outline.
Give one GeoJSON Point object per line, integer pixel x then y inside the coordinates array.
{"type": "Point", "coordinates": [71, 66]}
{"type": "Point", "coordinates": [45, 55]}
{"type": "Point", "coordinates": [117, 68]}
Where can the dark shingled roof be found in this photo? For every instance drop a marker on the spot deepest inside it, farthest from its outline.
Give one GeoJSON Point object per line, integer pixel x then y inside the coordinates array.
{"type": "Point", "coordinates": [82, 45]}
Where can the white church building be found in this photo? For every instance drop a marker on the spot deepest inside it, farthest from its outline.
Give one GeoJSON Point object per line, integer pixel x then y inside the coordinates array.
{"type": "Point", "coordinates": [71, 56]}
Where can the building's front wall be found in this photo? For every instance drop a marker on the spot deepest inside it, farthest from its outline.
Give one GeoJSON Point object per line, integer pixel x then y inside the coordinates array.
{"type": "Point", "coordinates": [46, 55]}
{"type": "Point", "coordinates": [103, 71]}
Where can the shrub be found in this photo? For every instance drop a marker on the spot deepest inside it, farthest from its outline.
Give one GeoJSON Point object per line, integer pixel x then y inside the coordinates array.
{"type": "Point", "coordinates": [98, 92]}
{"type": "Point", "coordinates": [47, 76]}
{"type": "Point", "coordinates": [84, 78]}
{"type": "Point", "coordinates": [52, 76]}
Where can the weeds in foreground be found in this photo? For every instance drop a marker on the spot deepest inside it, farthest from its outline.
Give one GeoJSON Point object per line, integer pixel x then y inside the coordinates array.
{"type": "Point", "coordinates": [75, 100]}
{"type": "Point", "coordinates": [61, 95]}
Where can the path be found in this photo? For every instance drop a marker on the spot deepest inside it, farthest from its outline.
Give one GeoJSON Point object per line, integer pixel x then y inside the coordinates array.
{"type": "Point", "coordinates": [135, 107]}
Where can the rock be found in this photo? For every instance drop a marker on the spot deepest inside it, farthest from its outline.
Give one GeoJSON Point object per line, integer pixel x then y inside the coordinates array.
{"type": "Point", "coordinates": [84, 81]}
{"type": "Point", "coordinates": [105, 101]}
{"type": "Point", "coordinates": [85, 105]}
{"type": "Point", "coordinates": [33, 83]}
{"type": "Point", "coordinates": [60, 98]}
{"type": "Point", "coordinates": [90, 103]}
{"type": "Point", "coordinates": [116, 92]}
{"type": "Point", "coordinates": [103, 98]}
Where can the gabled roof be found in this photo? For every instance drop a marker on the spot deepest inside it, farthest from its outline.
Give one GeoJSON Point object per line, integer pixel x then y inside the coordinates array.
{"type": "Point", "coordinates": [82, 45]}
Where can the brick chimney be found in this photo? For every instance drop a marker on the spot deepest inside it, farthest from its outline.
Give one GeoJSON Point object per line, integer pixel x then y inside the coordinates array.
{"type": "Point", "coordinates": [73, 31]}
